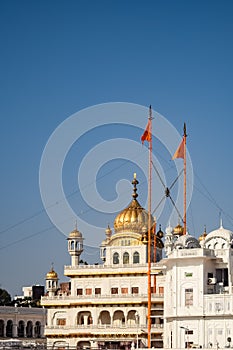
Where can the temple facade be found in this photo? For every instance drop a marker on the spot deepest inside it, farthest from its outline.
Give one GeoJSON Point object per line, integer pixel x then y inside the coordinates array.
{"type": "Point", "coordinates": [107, 303]}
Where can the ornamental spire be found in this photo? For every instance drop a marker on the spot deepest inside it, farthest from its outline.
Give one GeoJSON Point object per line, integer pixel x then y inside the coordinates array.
{"type": "Point", "coordinates": [135, 182]}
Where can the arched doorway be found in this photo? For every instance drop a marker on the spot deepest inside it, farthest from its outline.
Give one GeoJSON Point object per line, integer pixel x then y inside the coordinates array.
{"type": "Point", "coordinates": [37, 329]}
{"type": "Point", "coordinates": [29, 329]}
{"type": "Point", "coordinates": [84, 318]}
{"type": "Point", "coordinates": [81, 345]}
{"type": "Point", "coordinates": [118, 318]}
{"type": "Point", "coordinates": [9, 329]}
{"type": "Point", "coordinates": [21, 327]}
{"type": "Point", "coordinates": [2, 325]}
{"type": "Point", "coordinates": [104, 318]}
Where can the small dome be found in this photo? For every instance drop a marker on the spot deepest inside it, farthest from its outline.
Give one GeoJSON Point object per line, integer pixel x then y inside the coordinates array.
{"type": "Point", "coordinates": [221, 232]}
{"type": "Point", "coordinates": [186, 242]}
{"type": "Point", "coordinates": [108, 232]}
{"type": "Point", "coordinates": [203, 236]}
{"type": "Point", "coordinates": [51, 274]}
{"type": "Point", "coordinates": [178, 230]}
{"type": "Point", "coordinates": [75, 234]}
{"type": "Point", "coordinates": [160, 232]}
{"type": "Point", "coordinates": [133, 218]}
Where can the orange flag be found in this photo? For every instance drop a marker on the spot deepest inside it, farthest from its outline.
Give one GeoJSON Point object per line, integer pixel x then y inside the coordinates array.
{"type": "Point", "coordinates": [146, 136]}
{"type": "Point", "coordinates": [179, 153]}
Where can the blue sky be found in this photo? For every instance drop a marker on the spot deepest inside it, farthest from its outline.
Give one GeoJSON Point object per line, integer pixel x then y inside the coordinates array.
{"type": "Point", "coordinates": [58, 57]}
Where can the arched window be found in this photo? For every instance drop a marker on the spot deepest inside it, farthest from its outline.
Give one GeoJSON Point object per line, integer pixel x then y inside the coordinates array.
{"type": "Point", "coordinates": [126, 258]}
{"type": "Point", "coordinates": [115, 258]}
{"type": "Point", "coordinates": [136, 258]}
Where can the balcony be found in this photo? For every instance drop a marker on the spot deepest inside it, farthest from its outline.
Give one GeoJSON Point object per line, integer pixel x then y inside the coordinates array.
{"type": "Point", "coordinates": [106, 329]}
{"type": "Point", "coordinates": [67, 300]}
{"type": "Point", "coordinates": [86, 270]}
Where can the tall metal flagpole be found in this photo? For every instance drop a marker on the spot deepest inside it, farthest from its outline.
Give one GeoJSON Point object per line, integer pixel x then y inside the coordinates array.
{"type": "Point", "coordinates": [185, 217]}
{"type": "Point", "coordinates": [149, 228]}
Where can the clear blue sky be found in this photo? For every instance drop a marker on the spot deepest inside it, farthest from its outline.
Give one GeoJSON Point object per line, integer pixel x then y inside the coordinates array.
{"type": "Point", "coordinates": [58, 57]}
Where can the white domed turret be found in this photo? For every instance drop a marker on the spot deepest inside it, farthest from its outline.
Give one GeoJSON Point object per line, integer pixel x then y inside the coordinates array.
{"type": "Point", "coordinates": [186, 242]}
{"type": "Point", "coordinates": [75, 246]}
{"type": "Point", "coordinates": [108, 233]}
{"type": "Point", "coordinates": [219, 239]}
{"type": "Point", "coordinates": [51, 282]}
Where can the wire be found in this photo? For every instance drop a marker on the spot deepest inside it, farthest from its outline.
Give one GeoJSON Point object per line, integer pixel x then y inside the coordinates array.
{"type": "Point", "coordinates": [208, 196]}
{"type": "Point", "coordinates": [42, 211]}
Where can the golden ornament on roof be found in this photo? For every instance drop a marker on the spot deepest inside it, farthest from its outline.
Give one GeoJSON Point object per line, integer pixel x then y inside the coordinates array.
{"type": "Point", "coordinates": [51, 274]}
{"type": "Point", "coordinates": [178, 230]}
{"type": "Point", "coordinates": [203, 236]}
{"type": "Point", "coordinates": [133, 218]}
{"type": "Point", "coordinates": [75, 234]}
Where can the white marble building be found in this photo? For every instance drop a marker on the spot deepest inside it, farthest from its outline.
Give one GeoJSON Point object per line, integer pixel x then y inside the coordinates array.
{"type": "Point", "coordinates": [107, 304]}
{"type": "Point", "coordinates": [22, 322]}
{"type": "Point", "coordinates": [192, 294]}
{"type": "Point", "coordinates": [198, 299]}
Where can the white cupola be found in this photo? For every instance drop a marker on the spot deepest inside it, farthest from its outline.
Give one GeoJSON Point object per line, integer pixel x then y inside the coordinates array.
{"type": "Point", "coordinates": [75, 246]}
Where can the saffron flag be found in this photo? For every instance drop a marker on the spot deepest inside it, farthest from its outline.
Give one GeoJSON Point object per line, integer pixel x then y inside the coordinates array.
{"type": "Point", "coordinates": [179, 153]}
{"type": "Point", "coordinates": [146, 136]}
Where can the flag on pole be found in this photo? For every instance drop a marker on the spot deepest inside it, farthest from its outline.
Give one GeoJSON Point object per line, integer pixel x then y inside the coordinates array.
{"type": "Point", "coordinates": [146, 136]}
{"type": "Point", "coordinates": [179, 153]}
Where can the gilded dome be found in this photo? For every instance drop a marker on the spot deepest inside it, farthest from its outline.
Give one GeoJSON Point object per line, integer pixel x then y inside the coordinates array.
{"type": "Point", "coordinates": [133, 218]}
{"type": "Point", "coordinates": [203, 236]}
{"type": "Point", "coordinates": [178, 230]}
{"type": "Point", "coordinates": [75, 234]}
{"type": "Point", "coordinates": [51, 274]}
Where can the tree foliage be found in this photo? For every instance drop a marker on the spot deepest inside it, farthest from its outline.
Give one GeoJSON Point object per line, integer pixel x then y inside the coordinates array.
{"type": "Point", "coordinates": [5, 297]}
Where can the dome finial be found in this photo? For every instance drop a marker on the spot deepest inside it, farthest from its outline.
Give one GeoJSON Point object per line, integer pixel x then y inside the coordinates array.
{"type": "Point", "coordinates": [220, 219]}
{"type": "Point", "coordinates": [134, 183]}
{"type": "Point", "coordinates": [221, 225]}
{"type": "Point", "coordinates": [108, 232]}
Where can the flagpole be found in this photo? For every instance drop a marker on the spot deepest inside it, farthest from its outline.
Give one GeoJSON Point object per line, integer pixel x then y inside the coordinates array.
{"type": "Point", "coordinates": [155, 252]}
{"type": "Point", "coordinates": [185, 204]}
{"type": "Point", "coordinates": [149, 229]}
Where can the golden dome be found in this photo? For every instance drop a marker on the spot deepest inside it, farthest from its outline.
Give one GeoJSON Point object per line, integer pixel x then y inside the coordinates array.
{"type": "Point", "coordinates": [75, 234]}
{"type": "Point", "coordinates": [178, 230]}
{"type": "Point", "coordinates": [203, 236]}
{"type": "Point", "coordinates": [51, 274]}
{"type": "Point", "coordinates": [133, 218]}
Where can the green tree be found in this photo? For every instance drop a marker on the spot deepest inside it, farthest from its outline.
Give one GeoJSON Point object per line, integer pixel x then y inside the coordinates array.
{"type": "Point", "coordinates": [5, 297]}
